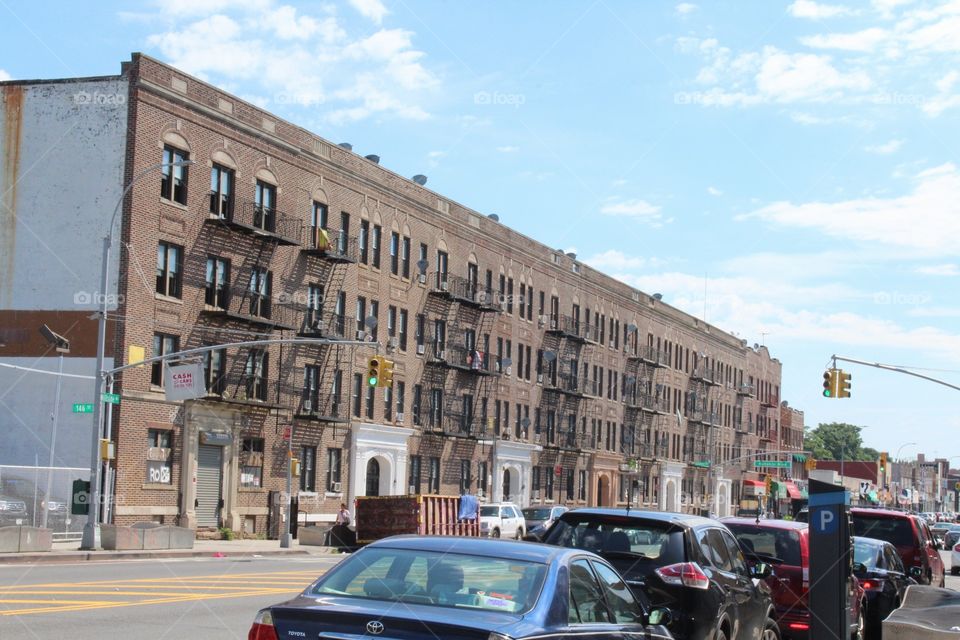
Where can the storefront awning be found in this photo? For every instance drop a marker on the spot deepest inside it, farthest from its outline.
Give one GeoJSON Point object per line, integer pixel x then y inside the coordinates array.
{"type": "Point", "coordinates": [793, 492]}
{"type": "Point", "coordinates": [799, 457]}
{"type": "Point", "coordinates": [753, 483]}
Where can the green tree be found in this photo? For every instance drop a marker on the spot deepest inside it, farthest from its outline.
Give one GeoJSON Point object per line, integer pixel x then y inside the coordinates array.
{"type": "Point", "coordinates": [836, 440]}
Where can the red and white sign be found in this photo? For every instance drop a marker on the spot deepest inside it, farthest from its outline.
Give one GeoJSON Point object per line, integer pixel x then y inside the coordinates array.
{"type": "Point", "coordinates": [287, 431]}
{"type": "Point", "coordinates": [557, 470]}
{"type": "Point", "coordinates": [184, 382]}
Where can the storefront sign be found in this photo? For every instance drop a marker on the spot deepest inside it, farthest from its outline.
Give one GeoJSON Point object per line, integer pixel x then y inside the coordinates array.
{"type": "Point", "coordinates": [215, 438]}
{"type": "Point", "coordinates": [184, 382]}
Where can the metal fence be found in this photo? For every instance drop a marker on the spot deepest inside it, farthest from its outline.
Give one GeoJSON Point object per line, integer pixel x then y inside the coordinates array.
{"type": "Point", "coordinates": [46, 493]}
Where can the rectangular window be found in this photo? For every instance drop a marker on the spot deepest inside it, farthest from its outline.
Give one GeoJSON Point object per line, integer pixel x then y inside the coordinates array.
{"type": "Point", "coordinates": [308, 470]}
{"type": "Point", "coordinates": [422, 261]}
{"type": "Point", "coordinates": [265, 206]}
{"type": "Point", "coordinates": [391, 321]}
{"type": "Point", "coordinates": [436, 408]}
{"type": "Point", "coordinates": [523, 300]}
{"type": "Point", "coordinates": [261, 285]}
{"type": "Point", "coordinates": [255, 375]}
{"type": "Point", "coordinates": [314, 311]}
{"type": "Point", "coordinates": [318, 222]}
{"type": "Point", "coordinates": [173, 183]}
{"type": "Point", "coordinates": [215, 371]}
{"type": "Point", "coordinates": [394, 253]}
{"type": "Point", "coordinates": [401, 392]}
{"type": "Point", "coordinates": [221, 192]}
{"type": "Point", "coordinates": [357, 394]}
{"type": "Point", "coordinates": [159, 456]}
{"type": "Point", "coordinates": [413, 477]}
{"type": "Point", "coordinates": [569, 484]}
{"type": "Point", "coordinates": [482, 477]}
{"type": "Point", "coordinates": [370, 395]}
{"type": "Point", "coordinates": [548, 482]}
{"type": "Point", "coordinates": [582, 495]}
{"type": "Point", "coordinates": [361, 313]}
{"type": "Point", "coordinates": [375, 314]}
{"type": "Point", "coordinates": [217, 282]}
{"type": "Point", "coordinates": [375, 245]}
{"type": "Point", "coordinates": [163, 344]}
{"type": "Point", "coordinates": [405, 257]}
{"type": "Point", "coordinates": [433, 478]}
{"type": "Point", "coordinates": [311, 389]}
{"type": "Point", "coordinates": [465, 480]}
{"type": "Point", "coordinates": [251, 463]}
{"type": "Point", "coordinates": [344, 232]}
{"type": "Point", "coordinates": [334, 468]}
{"type": "Point", "coordinates": [403, 329]}
{"type": "Point", "coordinates": [530, 303]}
{"type": "Point", "coordinates": [417, 404]}
{"type": "Point", "coordinates": [169, 269]}
{"type": "Point", "coordinates": [364, 241]}
{"type": "Point", "coordinates": [510, 295]}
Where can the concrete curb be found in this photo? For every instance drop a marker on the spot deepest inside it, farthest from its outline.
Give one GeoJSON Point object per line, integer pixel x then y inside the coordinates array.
{"type": "Point", "coordinates": [85, 556]}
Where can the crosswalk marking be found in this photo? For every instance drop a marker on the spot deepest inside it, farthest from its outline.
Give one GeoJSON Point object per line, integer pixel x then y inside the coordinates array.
{"type": "Point", "coordinates": [60, 597]}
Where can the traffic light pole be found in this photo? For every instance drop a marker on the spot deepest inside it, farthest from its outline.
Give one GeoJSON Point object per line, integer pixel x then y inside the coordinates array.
{"type": "Point", "coordinates": [888, 367]}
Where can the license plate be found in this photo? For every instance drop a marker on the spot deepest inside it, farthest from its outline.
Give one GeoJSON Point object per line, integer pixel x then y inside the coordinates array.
{"type": "Point", "coordinates": [19, 521]}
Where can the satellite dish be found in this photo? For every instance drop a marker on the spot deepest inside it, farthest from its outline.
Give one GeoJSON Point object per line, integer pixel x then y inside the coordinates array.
{"type": "Point", "coordinates": [420, 179]}
{"type": "Point", "coordinates": [525, 423]}
{"type": "Point", "coordinates": [631, 379]}
{"type": "Point", "coordinates": [549, 356]}
{"type": "Point", "coordinates": [374, 158]}
{"type": "Point", "coordinates": [346, 145]}
{"type": "Point", "coordinates": [658, 296]}
{"type": "Point", "coordinates": [506, 362]}
{"type": "Point", "coordinates": [631, 328]}
{"type": "Point", "coordinates": [370, 322]}
{"type": "Point", "coordinates": [572, 255]}
{"type": "Point", "coordinates": [494, 217]}
{"type": "Point", "coordinates": [422, 266]}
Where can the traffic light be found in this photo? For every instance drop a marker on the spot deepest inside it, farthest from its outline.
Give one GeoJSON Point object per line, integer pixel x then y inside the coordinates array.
{"type": "Point", "coordinates": [810, 464]}
{"type": "Point", "coordinates": [883, 463]}
{"type": "Point", "coordinates": [374, 371]}
{"type": "Point", "coordinates": [769, 485]}
{"type": "Point", "coordinates": [831, 379]}
{"type": "Point", "coordinates": [386, 373]}
{"type": "Point", "coordinates": [843, 384]}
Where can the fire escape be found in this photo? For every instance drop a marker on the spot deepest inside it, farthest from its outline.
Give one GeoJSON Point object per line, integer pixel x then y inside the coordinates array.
{"type": "Point", "coordinates": [459, 369]}
{"type": "Point", "coordinates": [646, 408]}
{"type": "Point", "coordinates": [742, 425]}
{"type": "Point", "coordinates": [703, 421]}
{"type": "Point", "coordinates": [239, 298]}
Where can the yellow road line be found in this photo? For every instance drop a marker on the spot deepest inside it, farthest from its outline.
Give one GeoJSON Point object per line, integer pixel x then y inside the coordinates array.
{"type": "Point", "coordinates": [172, 587]}
{"type": "Point", "coordinates": [56, 601]}
{"type": "Point", "coordinates": [142, 593]}
{"type": "Point", "coordinates": [208, 577]}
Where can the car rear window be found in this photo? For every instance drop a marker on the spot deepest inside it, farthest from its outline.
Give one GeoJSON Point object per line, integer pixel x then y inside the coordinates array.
{"type": "Point", "coordinates": [647, 542]}
{"type": "Point", "coordinates": [896, 531]}
{"type": "Point", "coordinates": [486, 512]}
{"type": "Point", "coordinates": [540, 513]}
{"type": "Point", "coordinates": [866, 553]}
{"type": "Point", "coordinates": [782, 544]}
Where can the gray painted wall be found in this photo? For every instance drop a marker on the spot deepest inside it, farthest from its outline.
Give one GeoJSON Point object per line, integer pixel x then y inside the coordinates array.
{"type": "Point", "coordinates": [61, 169]}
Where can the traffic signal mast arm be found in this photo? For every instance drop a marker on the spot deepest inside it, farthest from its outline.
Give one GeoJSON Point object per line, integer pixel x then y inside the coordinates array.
{"type": "Point", "coordinates": [892, 368]}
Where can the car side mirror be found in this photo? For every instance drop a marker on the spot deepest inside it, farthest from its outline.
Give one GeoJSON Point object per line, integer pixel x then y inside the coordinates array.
{"type": "Point", "coordinates": [916, 572]}
{"type": "Point", "coordinates": [761, 571]}
{"type": "Point", "coordinates": [859, 567]}
{"type": "Point", "coordinates": [660, 617]}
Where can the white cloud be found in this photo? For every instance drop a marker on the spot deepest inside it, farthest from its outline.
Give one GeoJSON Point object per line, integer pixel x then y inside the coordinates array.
{"type": "Point", "coordinates": [436, 154]}
{"type": "Point", "coordinates": [817, 11]}
{"type": "Point", "coordinates": [508, 149]}
{"type": "Point", "coordinates": [372, 9]}
{"type": "Point", "coordinates": [619, 182]}
{"type": "Point", "coordinates": [886, 148]}
{"type": "Point", "coordinates": [944, 99]}
{"type": "Point", "coordinates": [939, 270]}
{"type": "Point", "coordinates": [685, 8]}
{"type": "Point", "coordinates": [187, 8]}
{"type": "Point", "coordinates": [5, 76]}
{"type": "Point", "coordinates": [637, 209]}
{"type": "Point", "coordinates": [289, 58]}
{"type": "Point", "coordinates": [925, 220]}
{"type": "Point", "coordinates": [886, 7]}
{"type": "Point", "coordinates": [862, 41]}
{"type": "Point", "coordinates": [616, 261]}
{"type": "Point", "coordinates": [714, 191]}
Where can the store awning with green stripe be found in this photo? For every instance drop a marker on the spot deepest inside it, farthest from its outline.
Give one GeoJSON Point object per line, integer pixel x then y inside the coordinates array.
{"type": "Point", "coordinates": [799, 457]}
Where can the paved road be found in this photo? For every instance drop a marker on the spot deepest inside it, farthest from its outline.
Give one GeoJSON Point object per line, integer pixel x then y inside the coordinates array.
{"type": "Point", "coordinates": [209, 598]}
{"type": "Point", "coordinates": [953, 582]}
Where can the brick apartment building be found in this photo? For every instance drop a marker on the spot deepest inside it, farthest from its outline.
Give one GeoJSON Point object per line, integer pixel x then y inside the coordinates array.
{"type": "Point", "coordinates": [520, 373]}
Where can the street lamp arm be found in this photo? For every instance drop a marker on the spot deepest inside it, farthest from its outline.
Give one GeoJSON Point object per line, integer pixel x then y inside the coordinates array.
{"type": "Point", "coordinates": [888, 367]}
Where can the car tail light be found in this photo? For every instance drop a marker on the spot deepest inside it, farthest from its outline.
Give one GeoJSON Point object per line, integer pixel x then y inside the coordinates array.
{"type": "Point", "coordinates": [688, 574]}
{"type": "Point", "coordinates": [799, 626]}
{"type": "Point", "coordinates": [869, 585]}
{"type": "Point", "coordinates": [262, 628]}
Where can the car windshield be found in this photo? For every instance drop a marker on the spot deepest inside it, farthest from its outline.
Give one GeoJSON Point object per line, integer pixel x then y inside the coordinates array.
{"type": "Point", "coordinates": [437, 579]}
{"type": "Point", "coordinates": [781, 544]}
{"type": "Point", "coordinates": [536, 513]}
{"type": "Point", "coordinates": [489, 511]}
{"type": "Point", "coordinates": [896, 531]}
{"type": "Point", "coordinates": [866, 553]}
{"type": "Point", "coordinates": [633, 545]}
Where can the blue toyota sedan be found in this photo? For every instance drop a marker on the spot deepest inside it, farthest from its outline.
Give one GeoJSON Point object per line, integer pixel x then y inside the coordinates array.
{"type": "Point", "coordinates": [464, 589]}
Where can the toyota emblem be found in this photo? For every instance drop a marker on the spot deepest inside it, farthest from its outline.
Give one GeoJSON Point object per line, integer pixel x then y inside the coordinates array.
{"type": "Point", "coordinates": [374, 627]}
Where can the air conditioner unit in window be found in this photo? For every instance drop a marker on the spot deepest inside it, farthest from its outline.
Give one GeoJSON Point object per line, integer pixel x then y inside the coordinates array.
{"type": "Point", "coordinates": [399, 417]}
{"type": "Point", "coordinates": [337, 487]}
{"type": "Point", "coordinates": [393, 343]}
{"type": "Point", "coordinates": [505, 435]}
{"type": "Point", "coordinates": [411, 490]}
{"type": "Point", "coordinates": [509, 370]}
{"type": "Point", "coordinates": [420, 349]}
{"type": "Point", "coordinates": [422, 278]}
{"type": "Point", "coordinates": [542, 320]}
{"type": "Point", "coordinates": [480, 493]}
{"type": "Point", "coordinates": [612, 344]}
{"type": "Point", "coordinates": [441, 354]}
{"type": "Point", "coordinates": [539, 378]}
{"type": "Point", "coordinates": [481, 297]}
{"type": "Point", "coordinates": [444, 285]}
{"type": "Point", "coordinates": [537, 438]}
{"type": "Point", "coordinates": [536, 494]}
{"type": "Point", "coordinates": [361, 335]}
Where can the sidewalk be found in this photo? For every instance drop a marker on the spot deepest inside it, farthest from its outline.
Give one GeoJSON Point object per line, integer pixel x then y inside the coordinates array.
{"type": "Point", "coordinates": [70, 552]}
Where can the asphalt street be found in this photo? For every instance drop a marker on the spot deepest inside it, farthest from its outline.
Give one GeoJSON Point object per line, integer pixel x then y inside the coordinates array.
{"type": "Point", "coordinates": [209, 598]}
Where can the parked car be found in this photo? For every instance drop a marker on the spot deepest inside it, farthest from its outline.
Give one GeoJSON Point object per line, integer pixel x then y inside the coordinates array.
{"type": "Point", "coordinates": [954, 541]}
{"type": "Point", "coordinates": [13, 511]}
{"type": "Point", "coordinates": [951, 538]}
{"type": "Point", "coordinates": [803, 515]}
{"type": "Point", "coordinates": [446, 587]}
{"type": "Point", "coordinates": [502, 520]}
{"type": "Point", "coordinates": [929, 516]}
{"type": "Point", "coordinates": [35, 501]}
{"type": "Point", "coordinates": [785, 544]}
{"type": "Point", "coordinates": [940, 529]}
{"type": "Point", "coordinates": [539, 519]}
{"type": "Point", "coordinates": [911, 536]}
{"type": "Point", "coordinates": [690, 565]}
{"type": "Point", "coordinates": [880, 571]}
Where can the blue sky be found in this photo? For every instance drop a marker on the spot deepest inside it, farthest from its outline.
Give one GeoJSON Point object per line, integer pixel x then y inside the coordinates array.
{"type": "Point", "coordinates": [788, 169]}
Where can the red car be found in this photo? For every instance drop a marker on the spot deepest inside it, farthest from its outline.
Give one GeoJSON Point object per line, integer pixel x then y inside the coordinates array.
{"type": "Point", "coordinates": [910, 534]}
{"type": "Point", "coordinates": [786, 545]}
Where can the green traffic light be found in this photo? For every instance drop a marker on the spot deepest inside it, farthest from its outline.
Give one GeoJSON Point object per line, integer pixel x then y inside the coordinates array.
{"type": "Point", "coordinates": [826, 393]}
{"type": "Point", "coordinates": [372, 381]}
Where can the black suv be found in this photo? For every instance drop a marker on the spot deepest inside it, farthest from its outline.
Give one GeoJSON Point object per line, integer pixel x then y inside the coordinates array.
{"type": "Point", "coordinates": [688, 564]}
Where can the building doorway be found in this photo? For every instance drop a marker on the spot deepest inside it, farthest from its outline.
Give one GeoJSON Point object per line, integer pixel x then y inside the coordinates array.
{"type": "Point", "coordinates": [506, 485]}
{"type": "Point", "coordinates": [373, 477]}
{"type": "Point", "coordinates": [603, 491]}
{"type": "Point", "coordinates": [209, 485]}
